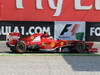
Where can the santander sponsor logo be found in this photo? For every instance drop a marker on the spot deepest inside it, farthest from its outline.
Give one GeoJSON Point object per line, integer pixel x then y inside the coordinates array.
{"type": "Point", "coordinates": [58, 7]}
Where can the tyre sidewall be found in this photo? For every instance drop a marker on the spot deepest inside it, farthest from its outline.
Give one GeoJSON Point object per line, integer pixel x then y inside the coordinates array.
{"type": "Point", "coordinates": [18, 49]}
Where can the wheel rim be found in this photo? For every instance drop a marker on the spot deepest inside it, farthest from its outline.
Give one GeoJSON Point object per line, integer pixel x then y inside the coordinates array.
{"type": "Point", "coordinates": [21, 48]}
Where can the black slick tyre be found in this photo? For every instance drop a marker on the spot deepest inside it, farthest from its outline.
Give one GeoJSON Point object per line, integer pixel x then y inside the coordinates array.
{"type": "Point", "coordinates": [20, 47]}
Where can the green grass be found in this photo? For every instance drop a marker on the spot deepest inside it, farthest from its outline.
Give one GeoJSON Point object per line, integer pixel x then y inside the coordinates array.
{"type": "Point", "coordinates": [51, 54]}
{"type": "Point", "coordinates": [2, 40]}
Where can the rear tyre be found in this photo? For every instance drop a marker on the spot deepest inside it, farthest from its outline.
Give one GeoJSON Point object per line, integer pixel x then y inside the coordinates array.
{"type": "Point", "coordinates": [20, 47]}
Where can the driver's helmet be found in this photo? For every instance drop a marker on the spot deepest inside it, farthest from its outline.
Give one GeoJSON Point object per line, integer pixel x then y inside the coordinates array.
{"type": "Point", "coordinates": [45, 34]}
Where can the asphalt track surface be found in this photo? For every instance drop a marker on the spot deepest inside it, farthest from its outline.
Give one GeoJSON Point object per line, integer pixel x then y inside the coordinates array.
{"type": "Point", "coordinates": [48, 65]}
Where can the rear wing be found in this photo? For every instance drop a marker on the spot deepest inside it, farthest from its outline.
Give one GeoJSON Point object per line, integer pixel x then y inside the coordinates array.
{"type": "Point", "coordinates": [12, 36]}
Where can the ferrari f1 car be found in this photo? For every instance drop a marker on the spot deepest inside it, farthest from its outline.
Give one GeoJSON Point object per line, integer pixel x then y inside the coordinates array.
{"type": "Point", "coordinates": [42, 42]}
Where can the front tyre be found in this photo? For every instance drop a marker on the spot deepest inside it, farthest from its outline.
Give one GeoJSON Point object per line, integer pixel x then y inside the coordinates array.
{"type": "Point", "coordinates": [20, 47]}
{"type": "Point", "coordinates": [65, 49]}
{"type": "Point", "coordinates": [80, 47]}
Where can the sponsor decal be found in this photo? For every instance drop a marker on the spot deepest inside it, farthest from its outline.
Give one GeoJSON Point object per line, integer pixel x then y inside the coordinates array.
{"type": "Point", "coordinates": [70, 30]}
{"type": "Point", "coordinates": [92, 31]}
{"type": "Point", "coordinates": [25, 27]}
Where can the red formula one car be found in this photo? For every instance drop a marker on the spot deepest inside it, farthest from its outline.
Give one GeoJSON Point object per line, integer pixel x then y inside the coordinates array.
{"type": "Point", "coordinates": [42, 42]}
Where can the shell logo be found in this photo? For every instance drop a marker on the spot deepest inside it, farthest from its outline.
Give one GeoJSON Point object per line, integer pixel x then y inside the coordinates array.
{"type": "Point", "coordinates": [52, 44]}
{"type": "Point", "coordinates": [62, 43]}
